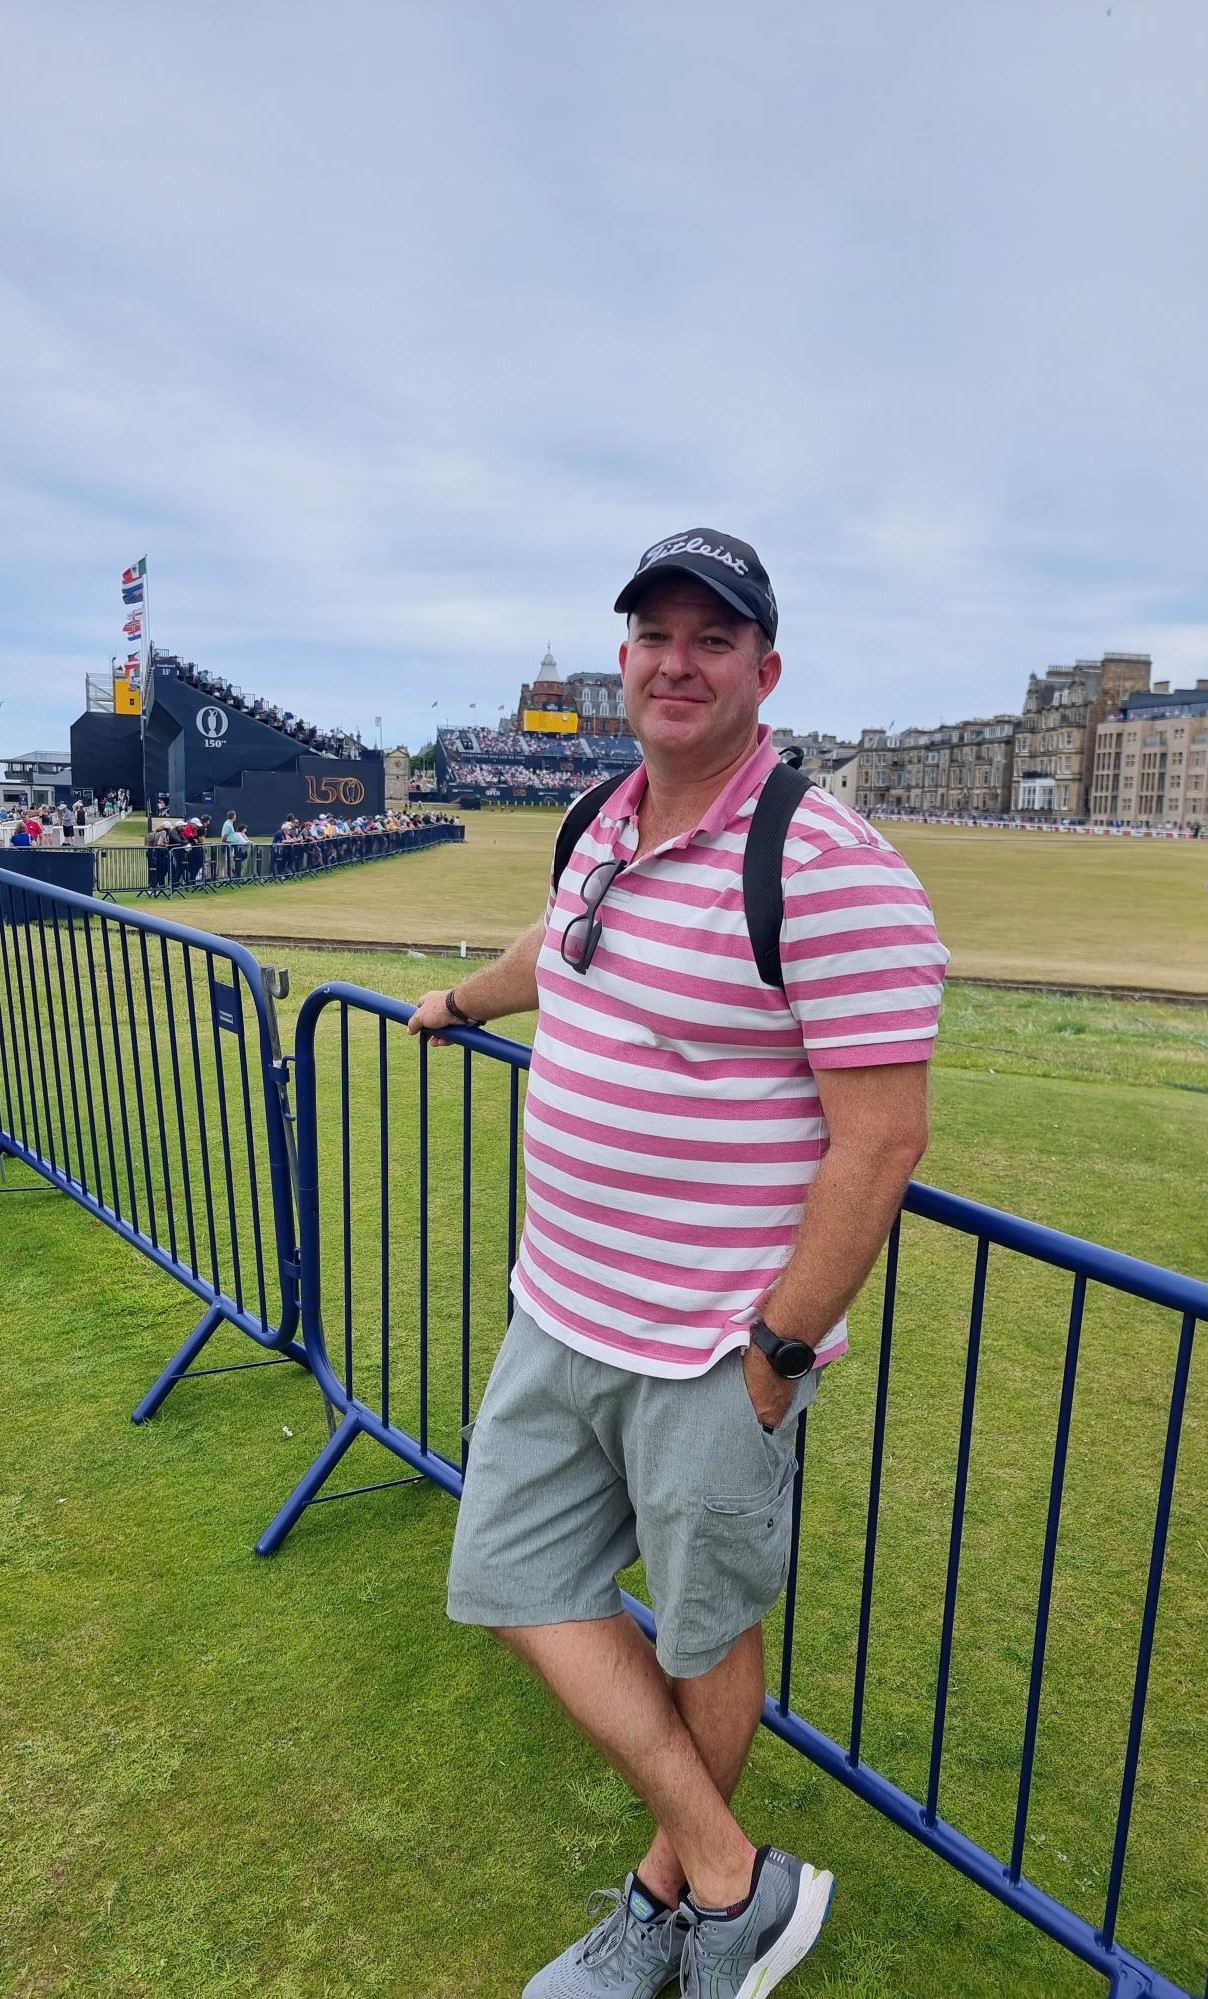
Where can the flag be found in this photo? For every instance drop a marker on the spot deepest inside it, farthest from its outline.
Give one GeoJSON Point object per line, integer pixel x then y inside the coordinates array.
{"type": "Point", "coordinates": [135, 570]}
{"type": "Point", "coordinates": [133, 627]}
{"type": "Point", "coordinates": [132, 659]}
{"type": "Point", "coordinates": [132, 593]}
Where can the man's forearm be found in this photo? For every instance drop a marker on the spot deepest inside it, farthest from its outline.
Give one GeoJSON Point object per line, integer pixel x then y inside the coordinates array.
{"type": "Point", "coordinates": [508, 984]}
{"type": "Point", "coordinates": [849, 1211]}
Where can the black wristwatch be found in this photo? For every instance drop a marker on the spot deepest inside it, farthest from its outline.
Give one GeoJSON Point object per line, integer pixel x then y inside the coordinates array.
{"type": "Point", "coordinates": [790, 1359]}
{"type": "Point", "coordinates": [451, 1006]}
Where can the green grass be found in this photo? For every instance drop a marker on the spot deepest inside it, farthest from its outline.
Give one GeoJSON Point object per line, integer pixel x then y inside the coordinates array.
{"type": "Point", "coordinates": [221, 1776]}
{"type": "Point", "coordinates": [128, 832]}
{"type": "Point", "coordinates": [1009, 905]}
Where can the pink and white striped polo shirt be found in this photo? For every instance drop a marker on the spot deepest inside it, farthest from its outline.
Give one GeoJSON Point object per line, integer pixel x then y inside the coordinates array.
{"type": "Point", "coordinates": [672, 1124]}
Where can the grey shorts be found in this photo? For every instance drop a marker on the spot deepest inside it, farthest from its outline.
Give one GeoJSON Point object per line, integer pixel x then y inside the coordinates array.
{"type": "Point", "coordinates": [576, 1468]}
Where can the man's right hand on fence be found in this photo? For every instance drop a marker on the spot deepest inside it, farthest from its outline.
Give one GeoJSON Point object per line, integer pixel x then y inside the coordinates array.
{"type": "Point", "coordinates": [430, 1013]}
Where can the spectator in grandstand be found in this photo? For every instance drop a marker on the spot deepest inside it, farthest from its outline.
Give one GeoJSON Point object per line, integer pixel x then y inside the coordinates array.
{"type": "Point", "coordinates": [21, 836]}
{"type": "Point", "coordinates": [647, 1392]}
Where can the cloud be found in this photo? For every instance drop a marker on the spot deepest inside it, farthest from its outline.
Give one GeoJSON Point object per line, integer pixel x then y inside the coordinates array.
{"type": "Point", "coordinates": [392, 335]}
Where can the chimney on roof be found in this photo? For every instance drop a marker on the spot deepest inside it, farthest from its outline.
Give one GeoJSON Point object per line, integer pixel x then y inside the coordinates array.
{"type": "Point", "coordinates": [1161, 687]}
{"type": "Point", "coordinates": [1200, 686]}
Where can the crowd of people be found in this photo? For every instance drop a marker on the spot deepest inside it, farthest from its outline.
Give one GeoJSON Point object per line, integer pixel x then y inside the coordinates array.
{"type": "Point", "coordinates": [328, 826]}
{"type": "Point", "coordinates": [492, 761]}
{"type": "Point", "coordinates": [513, 777]}
{"type": "Point", "coordinates": [328, 742]}
{"type": "Point", "coordinates": [1023, 822]}
{"type": "Point", "coordinates": [46, 825]}
{"type": "Point", "coordinates": [517, 744]}
{"type": "Point", "coordinates": [192, 852]}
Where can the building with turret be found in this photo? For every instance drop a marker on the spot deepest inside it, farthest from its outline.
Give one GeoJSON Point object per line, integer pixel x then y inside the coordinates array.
{"type": "Point", "coordinates": [1055, 740]}
{"type": "Point", "coordinates": [597, 700]}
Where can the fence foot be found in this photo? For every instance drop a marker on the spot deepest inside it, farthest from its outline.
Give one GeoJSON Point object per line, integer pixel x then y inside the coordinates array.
{"type": "Point", "coordinates": [306, 1488]}
{"type": "Point", "coordinates": [179, 1364]}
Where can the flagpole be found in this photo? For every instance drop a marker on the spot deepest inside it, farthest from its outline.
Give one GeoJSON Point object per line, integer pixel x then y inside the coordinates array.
{"type": "Point", "coordinates": [147, 618]}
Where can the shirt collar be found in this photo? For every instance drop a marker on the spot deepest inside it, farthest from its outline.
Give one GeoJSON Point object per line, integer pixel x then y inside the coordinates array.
{"type": "Point", "coordinates": [627, 797]}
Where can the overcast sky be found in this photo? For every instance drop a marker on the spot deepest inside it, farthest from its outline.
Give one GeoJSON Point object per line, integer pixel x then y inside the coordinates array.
{"type": "Point", "coordinates": [392, 332]}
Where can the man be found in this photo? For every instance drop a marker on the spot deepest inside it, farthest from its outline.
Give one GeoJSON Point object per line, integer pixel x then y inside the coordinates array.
{"type": "Point", "coordinates": [676, 1293]}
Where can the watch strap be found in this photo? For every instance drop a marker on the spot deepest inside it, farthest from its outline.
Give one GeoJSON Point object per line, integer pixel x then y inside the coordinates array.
{"type": "Point", "coordinates": [451, 1006]}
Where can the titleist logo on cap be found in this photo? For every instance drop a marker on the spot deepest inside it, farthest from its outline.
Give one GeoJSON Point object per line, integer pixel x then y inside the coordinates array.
{"type": "Point", "coordinates": [693, 545]}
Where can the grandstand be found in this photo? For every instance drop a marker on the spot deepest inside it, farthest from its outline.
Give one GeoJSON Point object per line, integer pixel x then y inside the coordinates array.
{"type": "Point", "coordinates": [211, 747]}
{"type": "Point", "coordinates": [522, 767]}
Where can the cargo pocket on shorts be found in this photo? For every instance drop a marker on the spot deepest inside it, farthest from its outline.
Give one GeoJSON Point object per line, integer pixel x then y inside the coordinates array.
{"type": "Point", "coordinates": [740, 1562]}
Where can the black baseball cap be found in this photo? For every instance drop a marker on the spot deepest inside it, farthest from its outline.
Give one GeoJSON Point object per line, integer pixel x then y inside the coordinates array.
{"type": "Point", "coordinates": [730, 568]}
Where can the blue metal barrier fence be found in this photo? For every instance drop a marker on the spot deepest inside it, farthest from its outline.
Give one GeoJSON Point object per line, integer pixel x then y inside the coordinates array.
{"type": "Point", "coordinates": [139, 1074]}
{"type": "Point", "coordinates": [379, 1364]}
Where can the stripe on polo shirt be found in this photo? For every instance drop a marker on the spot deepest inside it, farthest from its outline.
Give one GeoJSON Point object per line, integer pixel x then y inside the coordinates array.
{"type": "Point", "coordinates": [673, 1123]}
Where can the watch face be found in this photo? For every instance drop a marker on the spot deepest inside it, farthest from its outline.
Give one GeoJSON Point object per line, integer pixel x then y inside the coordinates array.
{"type": "Point", "coordinates": [793, 1360]}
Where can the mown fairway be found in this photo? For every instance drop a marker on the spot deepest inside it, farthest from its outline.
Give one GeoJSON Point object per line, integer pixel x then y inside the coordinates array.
{"type": "Point", "coordinates": [295, 1778]}
{"type": "Point", "coordinates": [1061, 909]}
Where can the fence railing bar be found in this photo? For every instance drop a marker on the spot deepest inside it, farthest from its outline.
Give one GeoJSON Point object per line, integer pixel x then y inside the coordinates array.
{"type": "Point", "coordinates": [1171, 1288]}
{"type": "Point", "coordinates": [424, 1219]}
{"type": "Point", "coordinates": [120, 1073]}
{"type": "Point", "coordinates": [24, 996]}
{"type": "Point", "coordinates": [1149, 1619]}
{"type": "Point", "coordinates": [513, 1180]}
{"type": "Point", "coordinates": [958, 1523]}
{"type": "Point", "coordinates": [249, 1139]}
{"type": "Point", "coordinates": [224, 1126]}
{"type": "Point", "coordinates": [30, 983]}
{"type": "Point", "coordinates": [874, 1488]}
{"type": "Point", "coordinates": [136, 1063]}
{"type": "Point", "coordinates": [45, 987]}
{"type": "Point", "coordinates": [9, 1041]}
{"type": "Point", "coordinates": [102, 1064]}
{"type": "Point", "coordinates": [384, 1170]}
{"type": "Point", "coordinates": [467, 1130]}
{"type": "Point", "coordinates": [186, 1150]}
{"type": "Point", "coordinates": [157, 1080]}
{"type": "Point", "coordinates": [199, 1097]}
{"type": "Point", "coordinates": [1052, 1529]}
{"type": "Point", "coordinates": [85, 1055]}
{"type": "Point", "coordinates": [69, 1040]}
{"type": "Point", "coordinates": [346, 1197]}
{"type": "Point", "coordinates": [790, 1595]}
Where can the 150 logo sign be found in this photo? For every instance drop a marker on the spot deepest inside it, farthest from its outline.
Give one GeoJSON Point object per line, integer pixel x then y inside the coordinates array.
{"type": "Point", "coordinates": [213, 724]}
{"type": "Point", "coordinates": [334, 790]}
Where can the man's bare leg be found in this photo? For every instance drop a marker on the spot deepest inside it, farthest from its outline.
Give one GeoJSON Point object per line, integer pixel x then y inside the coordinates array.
{"type": "Point", "coordinates": [721, 1711]}
{"type": "Point", "coordinates": [607, 1678]}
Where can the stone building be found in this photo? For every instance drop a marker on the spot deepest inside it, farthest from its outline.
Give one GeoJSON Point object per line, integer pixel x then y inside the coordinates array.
{"type": "Point", "coordinates": [1151, 760]}
{"type": "Point", "coordinates": [817, 751]}
{"type": "Point", "coordinates": [1055, 739]}
{"type": "Point", "coordinates": [599, 699]}
{"type": "Point", "coordinates": [837, 774]}
{"type": "Point", "coordinates": [957, 767]}
{"type": "Point", "coordinates": [397, 765]}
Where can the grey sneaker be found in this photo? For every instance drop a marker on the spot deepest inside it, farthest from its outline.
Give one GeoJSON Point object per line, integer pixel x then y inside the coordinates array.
{"type": "Point", "coordinates": [744, 1956]}
{"type": "Point", "coordinates": [631, 1951]}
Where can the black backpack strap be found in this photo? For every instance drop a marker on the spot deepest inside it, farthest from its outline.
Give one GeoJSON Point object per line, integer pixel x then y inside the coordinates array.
{"type": "Point", "coordinates": [763, 867]}
{"type": "Point", "coordinates": [579, 818]}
